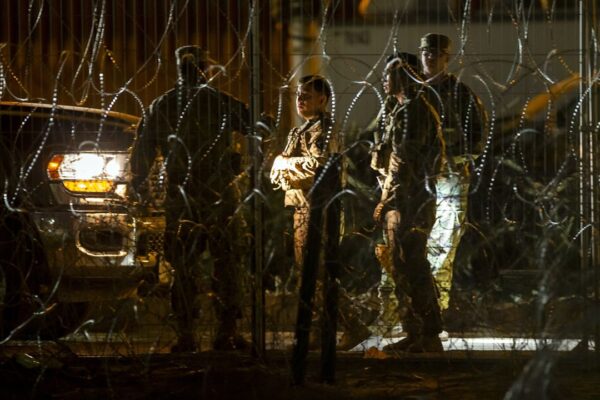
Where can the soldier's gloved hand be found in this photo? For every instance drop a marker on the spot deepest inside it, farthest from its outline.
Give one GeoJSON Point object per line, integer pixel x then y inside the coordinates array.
{"type": "Point", "coordinates": [378, 212]}
{"type": "Point", "coordinates": [133, 196]}
{"type": "Point", "coordinates": [138, 201]}
{"type": "Point", "coordinates": [138, 209]}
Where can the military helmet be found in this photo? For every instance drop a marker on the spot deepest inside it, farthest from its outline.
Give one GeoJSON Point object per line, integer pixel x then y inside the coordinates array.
{"type": "Point", "coordinates": [196, 54]}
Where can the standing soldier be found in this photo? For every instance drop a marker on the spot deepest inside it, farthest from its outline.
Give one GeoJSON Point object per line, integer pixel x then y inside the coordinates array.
{"type": "Point", "coordinates": [463, 119]}
{"type": "Point", "coordinates": [410, 153]}
{"type": "Point", "coordinates": [192, 127]}
{"type": "Point", "coordinates": [307, 150]}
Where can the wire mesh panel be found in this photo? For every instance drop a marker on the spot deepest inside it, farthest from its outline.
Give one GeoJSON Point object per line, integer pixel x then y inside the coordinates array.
{"type": "Point", "coordinates": [192, 182]}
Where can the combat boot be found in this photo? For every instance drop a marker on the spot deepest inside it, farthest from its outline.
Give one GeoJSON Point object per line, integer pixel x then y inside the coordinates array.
{"type": "Point", "coordinates": [185, 344]}
{"type": "Point", "coordinates": [233, 342]}
{"type": "Point", "coordinates": [227, 338]}
{"type": "Point", "coordinates": [403, 344]}
{"type": "Point", "coordinates": [426, 344]}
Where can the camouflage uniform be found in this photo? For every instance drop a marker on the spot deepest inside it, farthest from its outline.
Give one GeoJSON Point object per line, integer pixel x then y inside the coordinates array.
{"type": "Point", "coordinates": [306, 151]}
{"type": "Point", "coordinates": [391, 307]}
{"type": "Point", "coordinates": [463, 119]}
{"type": "Point", "coordinates": [413, 150]}
{"type": "Point", "coordinates": [192, 127]}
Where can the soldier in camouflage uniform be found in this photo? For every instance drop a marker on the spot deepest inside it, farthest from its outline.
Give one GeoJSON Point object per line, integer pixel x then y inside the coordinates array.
{"type": "Point", "coordinates": [307, 149]}
{"type": "Point", "coordinates": [463, 120]}
{"type": "Point", "coordinates": [409, 153]}
{"type": "Point", "coordinates": [192, 126]}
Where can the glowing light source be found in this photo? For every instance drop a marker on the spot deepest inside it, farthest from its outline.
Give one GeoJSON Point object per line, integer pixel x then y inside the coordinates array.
{"type": "Point", "coordinates": [53, 166]}
{"type": "Point", "coordinates": [91, 172]}
{"type": "Point", "coordinates": [89, 186]}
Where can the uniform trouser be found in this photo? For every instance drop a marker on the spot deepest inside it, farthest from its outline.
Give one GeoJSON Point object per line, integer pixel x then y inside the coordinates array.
{"type": "Point", "coordinates": [301, 221]}
{"type": "Point", "coordinates": [389, 315]}
{"type": "Point", "coordinates": [407, 238]}
{"type": "Point", "coordinates": [451, 193]}
{"type": "Point", "coordinates": [185, 242]}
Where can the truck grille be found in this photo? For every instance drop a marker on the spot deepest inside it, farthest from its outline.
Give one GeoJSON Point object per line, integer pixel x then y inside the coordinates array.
{"type": "Point", "coordinates": [150, 242]}
{"type": "Point", "coordinates": [100, 240]}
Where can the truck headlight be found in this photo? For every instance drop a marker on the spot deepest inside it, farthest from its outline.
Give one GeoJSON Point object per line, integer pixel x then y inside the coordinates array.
{"type": "Point", "coordinates": [88, 172]}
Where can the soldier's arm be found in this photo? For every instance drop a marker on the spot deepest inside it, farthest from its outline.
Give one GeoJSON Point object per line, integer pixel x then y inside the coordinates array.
{"type": "Point", "coordinates": [240, 116]}
{"type": "Point", "coordinates": [279, 170]}
{"type": "Point", "coordinates": [390, 186]}
{"type": "Point", "coordinates": [145, 149]}
{"type": "Point", "coordinates": [324, 145]}
{"type": "Point", "coordinates": [473, 119]}
{"type": "Point", "coordinates": [297, 171]}
{"type": "Point", "coordinates": [481, 117]}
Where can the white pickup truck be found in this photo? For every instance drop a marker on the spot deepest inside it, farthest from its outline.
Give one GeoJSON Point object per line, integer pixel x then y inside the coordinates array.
{"type": "Point", "coordinates": [68, 236]}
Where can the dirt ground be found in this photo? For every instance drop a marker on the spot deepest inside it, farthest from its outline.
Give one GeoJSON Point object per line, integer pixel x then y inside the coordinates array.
{"type": "Point", "coordinates": [135, 363]}
{"type": "Point", "coordinates": [61, 374]}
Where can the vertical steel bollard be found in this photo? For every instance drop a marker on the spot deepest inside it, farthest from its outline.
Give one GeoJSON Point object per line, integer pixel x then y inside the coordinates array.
{"type": "Point", "coordinates": [332, 271]}
{"type": "Point", "coordinates": [323, 207]}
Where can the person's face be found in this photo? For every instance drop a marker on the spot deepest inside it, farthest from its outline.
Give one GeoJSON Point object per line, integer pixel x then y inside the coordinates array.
{"type": "Point", "coordinates": [310, 103]}
{"type": "Point", "coordinates": [392, 82]}
{"type": "Point", "coordinates": [433, 61]}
